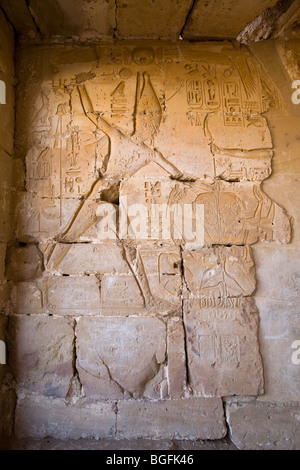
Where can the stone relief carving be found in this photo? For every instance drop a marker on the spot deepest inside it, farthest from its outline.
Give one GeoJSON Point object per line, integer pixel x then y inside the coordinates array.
{"type": "Point", "coordinates": [169, 126]}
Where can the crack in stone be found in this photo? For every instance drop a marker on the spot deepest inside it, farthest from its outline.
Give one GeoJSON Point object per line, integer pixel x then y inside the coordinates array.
{"type": "Point", "coordinates": [33, 17]}
{"type": "Point", "coordinates": [116, 410]}
{"type": "Point", "coordinates": [107, 370]}
{"type": "Point", "coordinates": [184, 282]}
{"type": "Point", "coordinates": [74, 394]}
{"type": "Point", "coordinates": [226, 420]}
{"type": "Point", "coordinates": [116, 19]}
{"type": "Point", "coordinates": [193, 3]}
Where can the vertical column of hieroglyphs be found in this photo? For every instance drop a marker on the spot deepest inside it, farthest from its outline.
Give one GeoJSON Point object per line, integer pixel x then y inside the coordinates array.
{"type": "Point", "coordinates": [169, 127]}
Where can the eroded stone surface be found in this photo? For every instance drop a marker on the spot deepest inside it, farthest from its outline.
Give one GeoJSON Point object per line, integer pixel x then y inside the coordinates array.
{"type": "Point", "coordinates": [118, 357]}
{"type": "Point", "coordinates": [176, 419]}
{"type": "Point", "coordinates": [177, 373]}
{"type": "Point", "coordinates": [3, 348]}
{"type": "Point", "coordinates": [120, 295]}
{"type": "Point", "coordinates": [211, 19]}
{"type": "Point", "coordinates": [7, 76]}
{"type": "Point", "coordinates": [25, 263]}
{"type": "Point", "coordinates": [222, 348]}
{"type": "Point", "coordinates": [81, 258]}
{"type": "Point", "coordinates": [269, 426]}
{"type": "Point", "coordinates": [234, 213]}
{"type": "Point", "coordinates": [279, 344]}
{"type": "Point", "coordinates": [38, 416]}
{"type": "Point", "coordinates": [60, 295]}
{"type": "Point", "coordinates": [41, 353]}
{"type": "Point", "coordinates": [219, 272]}
{"type": "Point", "coordinates": [7, 407]}
{"type": "Point", "coordinates": [148, 20]}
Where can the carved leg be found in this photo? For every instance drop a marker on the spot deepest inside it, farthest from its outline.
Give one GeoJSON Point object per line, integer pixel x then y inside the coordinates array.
{"type": "Point", "coordinates": [84, 218]}
{"type": "Point", "coordinates": [134, 261]}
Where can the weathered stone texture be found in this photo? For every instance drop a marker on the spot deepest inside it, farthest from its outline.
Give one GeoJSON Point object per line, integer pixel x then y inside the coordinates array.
{"type": "Point", "coordinates": [288, 50]}
{"type": "Point", "coordinates": [60, 295]}
{"type": "Point", "coordinates": [278, 272]}
{"type": "Point", "coordinates": [148, 20]}
{"type": "Point", "coordinates": [198, 418]}
{"type": "Point", "coordinates": [219, 272]}
{"type": "Point", "coordinates": [267, 426]}
{"type": "Point", "coordinates": [41, 353]}
{"type": "Point", "coordinates": [210, 19]}
{"type": "Point", "coordinates": [3, 348]}
{"type": "Point", "coordinates": [38, 416]}
{"type": "Point", "coordinates": [118, 357]}
{"type": "Point", "coordinates": [24, 263]}
{"type": "Point", "coordinates": [279, 329]}
{"type": "Point", "coordinates": [222, 349]}
{"type": "Point", "coordinates": [236, 213]}
{"type": "Point", "coordinates": [177, 373]}
{"type": "Point", "coordinates": [7, 408]}
{"type": "Point", "coordinates": [104, 258]}
{"type": "Point", "coordinates": [120, 295]}
{"type": "Point", "coordinates": [164, 325]}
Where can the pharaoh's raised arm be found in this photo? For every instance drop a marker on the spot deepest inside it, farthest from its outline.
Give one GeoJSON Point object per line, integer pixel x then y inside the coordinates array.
{"type": "Point", "coordinates": [88, 109]}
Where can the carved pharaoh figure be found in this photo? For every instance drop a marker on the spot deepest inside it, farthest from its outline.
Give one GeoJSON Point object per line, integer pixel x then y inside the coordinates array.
{"type": "Point", "coordinates": [128, 153]}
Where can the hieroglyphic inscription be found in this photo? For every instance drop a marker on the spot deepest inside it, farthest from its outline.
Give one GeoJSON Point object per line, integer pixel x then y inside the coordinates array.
{"type": "Point", "coordinates": [164, 125]}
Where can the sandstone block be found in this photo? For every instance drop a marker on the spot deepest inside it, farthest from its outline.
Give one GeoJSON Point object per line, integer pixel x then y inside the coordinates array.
{"type": "Point", "coordinates": [5, 292]}
{"type": "Point", "coordinates": [7, 45]}
{"type": "Point", "coordinates": [6, 169]}
{"type": "Point", "coordinates": [223, 350]}
{"type": "Point", "coordinates": [219, 272]}
{"type": "Point", "coordinates": [118, 357]}
{"type": "Point", "coordinates": [3, 325]}
{"type": "Point", "coordinates": [197, 418]}
{"type": "Point", "coordinates": [72, 295]}
{"type": "Point", "coordinates": [287, 50]}
{"type": "Point", "coordinates": [163, 271]}
{"type": "Point", "coordinates": [24, 263]}
{"type": "Point", "coordinates": [273, 283]}
{"type": "Point", "coordinates": [3, 348]}
{"type": "Point", "coordinates": [88, 258]}
{"type": "Point", "coordinates": [267, 426]}
{"type": "Point", "coordinates": [2, 259]}
{"type": "Point", "coordinates": [41, 353]}
{"type": "Point", "coordinates": [154, 283]}
{"type": "Point", "coordinates": [7, 407]}
{"type": "Point", "coordinates": [148, 20]}
{"type": "Point", "coordinates": [176, 358]}
{"type": "Point", "coordinates": [61, 295]}
{"type": "Point", "coordinates": [207, 20]}
{"type": "Point", "coordinates": [121, 295]}
{"type": "Point", "coordinates": [6, 220]}
{"type": "Point", "coordinates": [279, 329]}
{"type": "Point", "coordinates": [29, 297]}
{"type": "Point", "coordinates": [39, 417]}
{"type": "Point", "coordinates": [74, 19]}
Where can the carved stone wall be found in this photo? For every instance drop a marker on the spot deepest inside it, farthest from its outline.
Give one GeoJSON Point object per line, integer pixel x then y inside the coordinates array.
{"type": "Point", "coordinates": [7, 124]}
{"type": "Point", "coordinates": [149, 333]}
